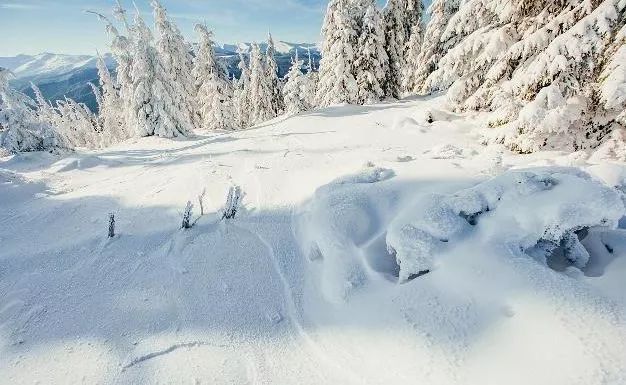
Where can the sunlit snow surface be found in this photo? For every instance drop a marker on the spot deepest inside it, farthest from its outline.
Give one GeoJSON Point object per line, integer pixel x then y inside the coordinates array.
{"type": "Point", "coordinates": [302, 286]}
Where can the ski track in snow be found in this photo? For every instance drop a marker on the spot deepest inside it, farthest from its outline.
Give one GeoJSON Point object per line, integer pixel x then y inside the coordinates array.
{"type": "Point", "coordinates": [239, 302]}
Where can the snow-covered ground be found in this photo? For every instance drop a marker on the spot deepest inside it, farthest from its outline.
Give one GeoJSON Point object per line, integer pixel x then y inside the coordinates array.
{"type": "Point", "coordinates": [302, 286]}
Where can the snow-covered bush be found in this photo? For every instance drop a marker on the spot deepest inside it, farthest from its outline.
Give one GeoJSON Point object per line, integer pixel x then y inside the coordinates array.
{"type": "Point", "coordinates": [233, 201]}
{"type": "Point", "coordinates": [564, 202]}
{"type": "Point", "coordinates": [187, 216]}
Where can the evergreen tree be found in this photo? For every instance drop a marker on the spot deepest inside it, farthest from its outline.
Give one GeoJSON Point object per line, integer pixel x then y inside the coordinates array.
{"type": "Point", "coordinates": [241, 97]}
{"type": "Point", "coordinates": [20, 128]}
{"type": "Point", "coordinates": [111, 106]}
{"type": "Point", "coordinates": [278, 104]}
{"type": "Point", "coordinates": [310, 84]}
{"type": "Point", "coordinates": [213, 97]}
{"type": "Point", "coordinates": [295, 88]}
{"type": "Point", "coordinates": [176, 64]}
{"type": "Point", "coordinates": [260, 93]}
{"type": "Point", "coordinates": [410, 81]}
{"type": "Point", "coordinates": [401, 18]}
{"type": "Point", "coordinates": [432, 48]}
{"type": "Point", "coordinates": [537, 65]}
{"type": "Point", "coordinates": [372, 63]}
{"type": "Point", "coordinates": [78, 125]}
{"type": "Point", "coordinates": [395, 40]}
{"type": "Point", "coordinates": [337, 83]}
{"type": "Point", "coordinates": [122, 49]}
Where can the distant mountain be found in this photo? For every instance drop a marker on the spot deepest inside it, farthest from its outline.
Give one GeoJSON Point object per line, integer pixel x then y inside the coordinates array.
{"type": "Point", "coordinates": [59, 75]}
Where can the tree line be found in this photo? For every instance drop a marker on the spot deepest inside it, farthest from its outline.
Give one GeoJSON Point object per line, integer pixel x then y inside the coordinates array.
{"type": "Point", "coordinates": [551, 74]}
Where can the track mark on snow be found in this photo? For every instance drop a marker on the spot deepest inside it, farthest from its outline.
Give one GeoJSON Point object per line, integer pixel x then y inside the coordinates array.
{"type": "Point", "coordinates": [170, 349]}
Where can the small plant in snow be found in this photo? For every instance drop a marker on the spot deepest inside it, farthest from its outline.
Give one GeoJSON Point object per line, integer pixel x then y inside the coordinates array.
{"type": "Point", "coordinates": [201, 201]}
{"type": "Point", "coordinates": [187, 216]}
{"type": "Point", "coordinates": [111, 225]}
{"type": "Point", "coordinates": [233, 200]}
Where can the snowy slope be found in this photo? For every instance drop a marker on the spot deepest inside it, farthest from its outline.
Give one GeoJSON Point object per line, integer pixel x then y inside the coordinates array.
{"type": "Point", "coordinates": [300, 287]}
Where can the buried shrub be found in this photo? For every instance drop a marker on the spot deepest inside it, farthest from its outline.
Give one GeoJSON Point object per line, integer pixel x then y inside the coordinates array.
{"type": "Point", "coordinates": [187, 216]}
{"type": "Point", "coordinates": [233, 200]}
{"type": "Point", "coordinates": [565, 204]}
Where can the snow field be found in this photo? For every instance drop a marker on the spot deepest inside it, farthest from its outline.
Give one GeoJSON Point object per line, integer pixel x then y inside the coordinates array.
{"type": "Point", "coordinates": [301, 286]}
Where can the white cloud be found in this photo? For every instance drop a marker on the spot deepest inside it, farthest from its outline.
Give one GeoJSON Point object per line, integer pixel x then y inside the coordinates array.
{"type": "Point", "coordinates": [19, 6]}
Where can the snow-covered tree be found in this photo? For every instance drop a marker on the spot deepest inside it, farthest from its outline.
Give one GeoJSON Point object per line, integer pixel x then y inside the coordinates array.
{"type": "Point", "coordinates": [310, 84]}
{"type": "Point", "coordinates": [20, 128]}
{"type": "Point", "coordinates": [295, 88]}
{"type": "Point", "coordinates": [372, 63]}
{"type": "Point", "coordinates": [45, 111]}
{"type": "Point", "coordinates": [278, 104]}
{"type": "Point", "coordinates": [122, 48]}
{"type": "Point", "coordinates": [538, 65]}
{"type": "Point", "coordinates": [432, 48]}
{"type": "Point", "coordinates": [337, 83]}
{"type": "Point", "coordinates": [176, 64]}
{"type": "Point", "coordinates": [78, 125]}
{"type": "Point", "coordinates": [241, 94]}
{"type": "Point", "coordinates": [396, 38]}
{"type": "Point", "coordinates": [111, 106]}
{"type": "Point", "coordinates": [213, 92]}
{"type": "Point", "coordinates": [613, 79]}
{"type": "Point", "coordinates": [156, 101]}
{"type": "Point", "coordinates": [260, 92]}
{"type": "Point", "coordinates": [410, 81]}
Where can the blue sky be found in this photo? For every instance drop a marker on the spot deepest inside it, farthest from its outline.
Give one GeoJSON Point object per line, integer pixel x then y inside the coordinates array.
{"type": "Point", "coordinates": [61, 26]}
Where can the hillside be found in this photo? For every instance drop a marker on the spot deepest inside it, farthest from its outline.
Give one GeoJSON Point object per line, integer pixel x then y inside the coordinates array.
{"type": "Point", "coordinates": [313, 281]}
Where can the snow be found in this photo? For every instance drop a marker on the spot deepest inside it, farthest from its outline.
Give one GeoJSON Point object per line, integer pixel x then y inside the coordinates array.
{"type": "Point", "coordinates": [302, 285]}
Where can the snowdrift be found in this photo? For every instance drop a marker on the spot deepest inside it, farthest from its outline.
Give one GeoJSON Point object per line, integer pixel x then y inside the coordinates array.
{"type": "Point", "coordinates": [539, 214]}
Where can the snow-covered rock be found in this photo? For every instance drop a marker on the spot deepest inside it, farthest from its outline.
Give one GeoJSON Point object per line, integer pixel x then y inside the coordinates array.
{"type": "Point", "coordinates": [525, 210]}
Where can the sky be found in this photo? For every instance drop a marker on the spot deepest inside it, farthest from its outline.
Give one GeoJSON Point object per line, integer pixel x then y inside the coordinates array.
{"type": "Point", "coordinates": [62, 26]}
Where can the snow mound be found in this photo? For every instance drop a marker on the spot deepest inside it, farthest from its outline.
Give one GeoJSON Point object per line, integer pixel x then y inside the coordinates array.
{"type": "Point", "coordinates": [450, 151]}
{"type": "Point", "coordinates": [342, 217]}
{"type": "Point", "coordinates": [538, 211]}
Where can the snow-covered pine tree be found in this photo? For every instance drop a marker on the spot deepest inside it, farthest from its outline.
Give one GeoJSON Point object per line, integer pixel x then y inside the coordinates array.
{"type": "Point", "coordinates": [45, 111]}
{"type": "Point", "coordinates": [111, 106]}
{"type": "Point", "coordinates": [142, 114]}
{"type": "Point", "coordinates": [122, 50]}
{"type": "Point", "coordinates": [413, 17]}
{"type": "Point", "coordinates": [401, 18]}
{"type": "Point", "coordinates": [432, 48]}
{"type": "Point", "coordinates": [260, 93]}
{"type": "Point", "coordinates": [310, 84]}
{"type": "Point", "coordinates": [213, 92]}
{"type": "Point", "coordinates": [278, 104]}
{"type": "Point", "coordinates": [154, 108]}
{"type": "Point", "coordinates": [613, 79]}
{"type": "Point", "coordinates": [372, 63]}
{"type": "Point", "coordinates": [337, 83]}
{"type": "Point", "coordinates": [176, 64]}
{"type": "Point", "coordinates": [537, 64]}
{"type": "Point", "coordinates": [295, 88]}
{"type": "Point", "coordinates": [410, 81]}
{"type": "Point", "coordinates": [78, 125]}
{"type": "Point", "coordinates": [395, 42]}
{"type": "Point", "coordinates": [241, 94]}
{"type": "Point", "coordinates": [20, 128]}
